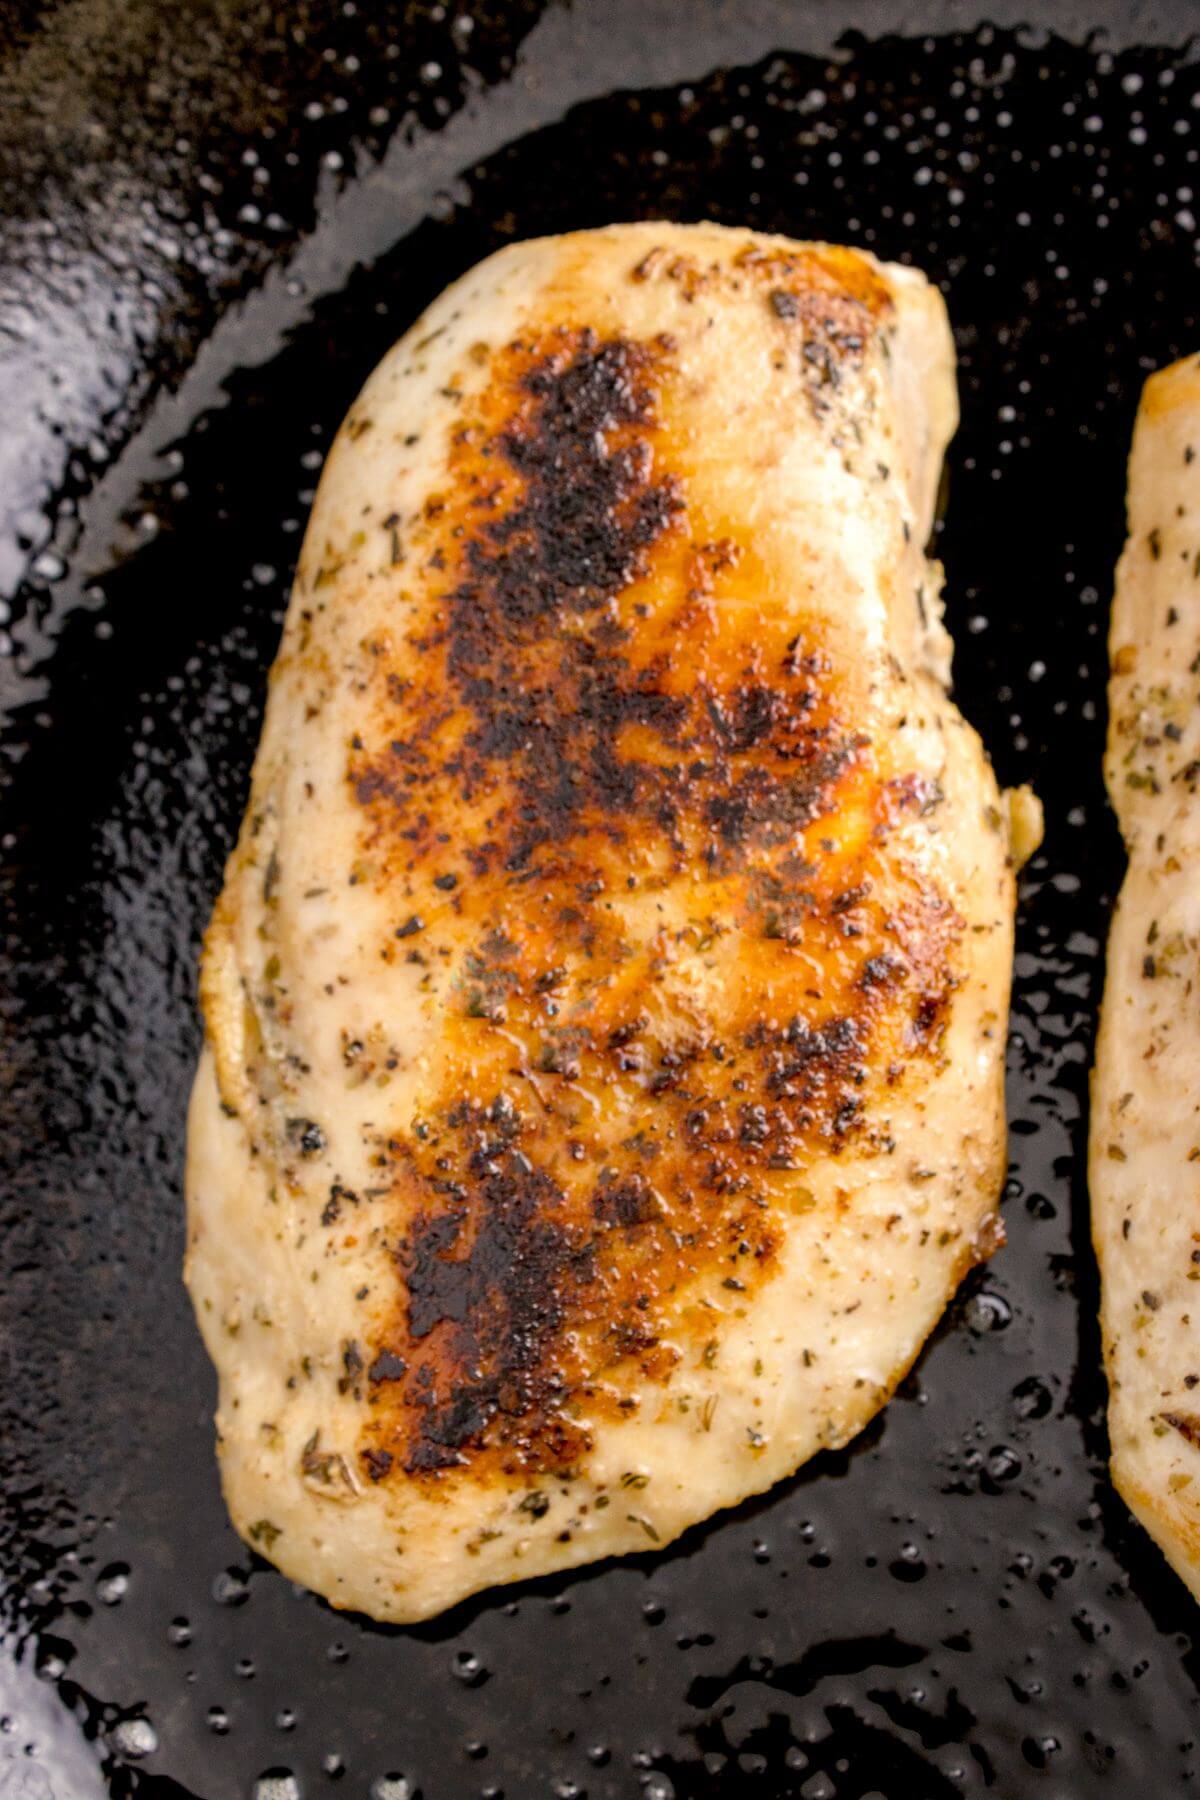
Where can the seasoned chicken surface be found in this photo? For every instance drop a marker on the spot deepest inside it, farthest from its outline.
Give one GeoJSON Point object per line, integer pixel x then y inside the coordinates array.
{"type": "Point", "coordinates": [606, 1003]}
{"type": "Point", "coordinates": [1145, 1131]}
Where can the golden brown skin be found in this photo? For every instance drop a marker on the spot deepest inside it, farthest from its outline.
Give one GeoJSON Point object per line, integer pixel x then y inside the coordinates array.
{"type": "Point", "coordinates": [677, 887]}
{"type": "Point", "coordinates": [575, 712]}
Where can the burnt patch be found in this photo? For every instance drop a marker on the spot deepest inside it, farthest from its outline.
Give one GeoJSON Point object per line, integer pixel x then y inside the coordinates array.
{"type": "Point", "coordinates": [387, 1366]}
{"type": "Point", "coordinates": [625, 1201]}
{"type": "Point", "coordinates": [589, 507]}
{"type": "Point", "coordinates": [882, 971]}
{"type": "Point", "coordinates": [931, 1013]}
{"type": "Point", "coordinates": [761, 805]}
{"type": "Point", "coordinates": [490, 1286]}
{"type": "Point", "coordinates": [377, 1463]}
{"type": "Point", "coordinates": [520, 1290]}
{"type": "Point", "coordinates": [816, 1071]}
{"type": "Point", "coordinates": [747, 715]}
{"type": "Point", "coordinates": [563, 499]}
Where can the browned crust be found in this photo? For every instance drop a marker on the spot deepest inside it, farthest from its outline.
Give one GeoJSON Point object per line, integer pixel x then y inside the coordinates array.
{"type": "Point", "coordinates": [571, 717]}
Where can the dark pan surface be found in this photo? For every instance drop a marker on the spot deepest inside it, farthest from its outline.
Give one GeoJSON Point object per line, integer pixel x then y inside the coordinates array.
{"type": "Point", "coordinates": [956, 1606]}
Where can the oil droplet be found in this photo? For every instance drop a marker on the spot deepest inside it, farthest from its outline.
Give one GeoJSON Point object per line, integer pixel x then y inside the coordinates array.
{"type": "Point", "coordinates": [231, 1588]}
{"type": "Point", "coordinates": [112, 1584]}
{"type": "Point", "coordinates": [48, 566]}
{"type": "Point", "coordinates": [1003, 1464]}
{"type": "Point", "coordinates": [909, 1565]}
{"type": "Point", "coordinates": [987, 1311]}
{"type": "Point", "coordinates": [277, 1784]}
{"type": "Point", "coordinates": [133, 1739]}
{"type": "Point", "coordinates": [390, 1787]}
{"type": "Point", "coordinates": [469, 1670]}
{"type": "Point", "coordinates": [1033, 1398]}
{"type": "Point", "coordinates": [1038, 1751]}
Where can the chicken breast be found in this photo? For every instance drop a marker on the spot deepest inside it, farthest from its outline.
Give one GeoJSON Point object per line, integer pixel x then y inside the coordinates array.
{"type": "Point", "coordinates": [606, 1003]}
{"type": "Point", "coordinates": [1145, 1128]}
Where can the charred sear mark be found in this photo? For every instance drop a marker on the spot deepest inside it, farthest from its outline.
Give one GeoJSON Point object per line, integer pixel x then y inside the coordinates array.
{"type": "Point", "coordinates": [536, 705]}
{"type": "Point", "coordinates": [770, 808]}
{"type": "Point", "coordinates": [489, 1284]}
{"type": "Point", "coordinates": [590, 507]}
{"type": "Point", "coordinates": [535, 1272]}
{"type": "Point", "coordinates": [520, 1294]}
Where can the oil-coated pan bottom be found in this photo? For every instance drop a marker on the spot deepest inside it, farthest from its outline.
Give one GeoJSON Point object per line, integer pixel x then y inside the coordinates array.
{"type": "Point", "coordinates": [959, 1604]}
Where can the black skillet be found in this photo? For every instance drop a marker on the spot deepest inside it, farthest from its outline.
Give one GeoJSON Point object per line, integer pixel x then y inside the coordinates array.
{"type": "Point", "coordinates": [216, 217]}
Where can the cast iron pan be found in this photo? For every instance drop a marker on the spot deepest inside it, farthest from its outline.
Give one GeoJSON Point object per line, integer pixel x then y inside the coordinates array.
{"type": "Point", "coordinates": [216, 218]}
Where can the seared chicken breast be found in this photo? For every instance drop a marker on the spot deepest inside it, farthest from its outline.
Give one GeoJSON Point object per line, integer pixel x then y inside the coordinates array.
{"type": "Point", "coordinates": [1145, 1129]}
{"type": "Point", "coordinates": [605, 1008]}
